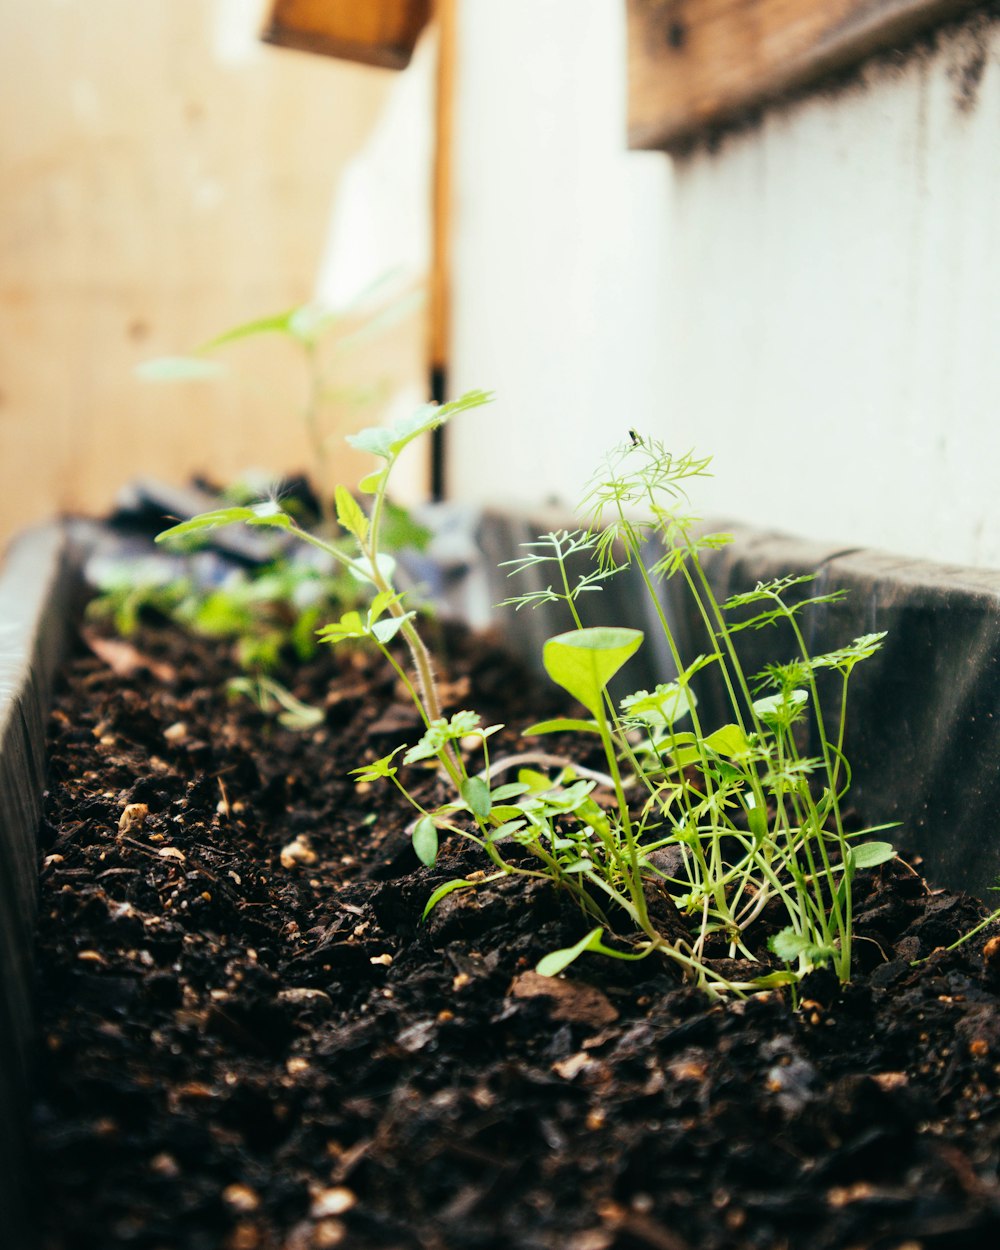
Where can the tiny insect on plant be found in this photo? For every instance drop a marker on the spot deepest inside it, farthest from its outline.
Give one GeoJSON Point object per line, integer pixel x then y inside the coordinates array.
{"type": "Point", "coordinates": [734, 824]}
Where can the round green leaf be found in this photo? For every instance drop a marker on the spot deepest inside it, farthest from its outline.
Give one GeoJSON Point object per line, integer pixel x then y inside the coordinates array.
{"type": "Point", "coordinates": [583, 661]}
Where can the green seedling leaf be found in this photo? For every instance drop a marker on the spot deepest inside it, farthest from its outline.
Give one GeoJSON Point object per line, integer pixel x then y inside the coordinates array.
{"type": "Point", "coordinates": [350, 625]}
{"type": "Point", "coordinates": [781, 709]}
{"type": "Point", "coordinates": [506, 813]}
{"type": "Point", "coordinates": [562, 724]}
{"type": "Point", "coordinates": [440, 732]}
{"type": "Point", "coordinates": [179, 369]}
{"type": "Point", "coordinates": [583, 661]}
{"type": "Point", "coordinates": [551, 965]}
{"type": "Point", "coordinates": [686, 756]}
{"type": "Point", "coordinates": [260, 514]}
{"type": "Point", "coordinates": [387, 441]}
{"type": "Point", "coordinates": [789, 946]}
{"type": "Point", "coordinates": [509, 791]}
{"type": "Point", "coordinates": [378, 768]}
{"type": "Point", "coordinates": [279, 323]}
{"type": "Point", "coordinates": [385, 631]}
{"type": "Point", "coordinates": [773, 980]}
{"type": "Point", "coordinates": [400, 530]}
{"type": "Point", "coordinates": [871, 854]}
{"type": "Point", "coordinates": [594, 815]}
{"type": "Point", "coordinates": [443, 891]}
{"type": "Point", "coordinates": [730, 741]}
{"type": "Point", "coordinates": [371, 482]}
{"type": "Point", "coordinates": [507, 829]}
{"type": "Point", "coordinates": [668, 703]}
{"type": "Point", "coordinates": [533, 781]}
{"type": "Point", "coordinates": [425, 841]}
{"type": "Point", "coordinates": [756, 817]}
{"type": "Point", "coordinates": [362, 571]}
{"type": "Point", "coordinates": [476, 794]}
{"type": "Point", "coordinates": [350, 514]}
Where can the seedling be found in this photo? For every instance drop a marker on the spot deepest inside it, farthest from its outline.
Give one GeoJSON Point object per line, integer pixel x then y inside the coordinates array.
{"type": "Point", "coordinates": [268, 612]}
{"type": "Point", "coordinates": [735, 823]}
{"type": "Point", "coordinates": [317, 334]}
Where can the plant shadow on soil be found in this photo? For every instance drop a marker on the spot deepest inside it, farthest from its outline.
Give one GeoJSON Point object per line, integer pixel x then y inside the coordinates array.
{"type": "Point", "coordinates": [252, 1051]}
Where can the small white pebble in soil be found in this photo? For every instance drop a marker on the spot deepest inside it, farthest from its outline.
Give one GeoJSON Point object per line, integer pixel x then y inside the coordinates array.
{"type": "Point", "coordinates": [334, 1201]}
{"type": "Point", "coordinates": [176, 732]}
{"type": "Point", "coordinates": [297, 852]}
{"type": "Point", "coordinates": [327, 1234]}
{"type": "Point", "coordinates": [384, 960]}
{"type": "Point", "coordinates": [241, 1197]}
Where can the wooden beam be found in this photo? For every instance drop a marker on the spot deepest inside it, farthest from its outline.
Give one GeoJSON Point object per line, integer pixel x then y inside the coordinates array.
{"type": "Point", "coordinates": [375, 32]}
{"type": "Point", "coordinates": [695, 64]}
{"type": "Point", "coordinates": [446, 14]}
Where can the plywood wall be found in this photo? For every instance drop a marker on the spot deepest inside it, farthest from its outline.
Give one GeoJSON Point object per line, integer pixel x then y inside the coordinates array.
{"type": "Point", "coordinates": [163, 175]}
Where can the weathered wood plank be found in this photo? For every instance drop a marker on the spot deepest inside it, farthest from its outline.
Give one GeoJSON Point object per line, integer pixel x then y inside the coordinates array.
{"type": "Point", "coordinates": [694, 64]}
{"type": "Point", "coordinates": [376, 32]}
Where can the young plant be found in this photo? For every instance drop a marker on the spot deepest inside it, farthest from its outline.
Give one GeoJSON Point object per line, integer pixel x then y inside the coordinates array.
{"type": "Point", "coordinates": [317, 333]}
{"type": "Point", "coordinates": [276, 609]}
{"type": "Point", "coordinates": [361, 553]}
{"type": "Point", "coordinates": [736, 824]}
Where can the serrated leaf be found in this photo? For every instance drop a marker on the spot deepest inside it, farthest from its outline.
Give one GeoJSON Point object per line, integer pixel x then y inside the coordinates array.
{"type": "Point", "coordinates": [789, 946]}
{"type": "Point", "coordinates": [780, 709]}
{"type": "Point", "coordinates": [350, 514]}
{"type": "Point", "coordinates": [425, 841]}
{"type": "Point", "coordinates": [443, 891]}
{"type": "Point", "coordinates": [350, 625]}
{"type": "Point", "coordinates": [388, 441]}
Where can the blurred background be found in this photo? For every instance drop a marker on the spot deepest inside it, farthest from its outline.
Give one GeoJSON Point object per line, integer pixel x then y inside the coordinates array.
{"type": "Point", "coordinates": [773, 240]}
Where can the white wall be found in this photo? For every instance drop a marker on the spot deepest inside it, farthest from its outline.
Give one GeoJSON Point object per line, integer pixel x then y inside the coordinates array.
{"type": "Point", "coordinates": [817, 303]}
{"type": "Point", "coordinates": [560, 262]}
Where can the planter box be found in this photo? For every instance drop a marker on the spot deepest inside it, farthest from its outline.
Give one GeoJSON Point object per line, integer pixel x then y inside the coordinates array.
{"type": "Point", "coordinates": [37, 587]}
{"type": "Point", "coordinates": [922, 741]}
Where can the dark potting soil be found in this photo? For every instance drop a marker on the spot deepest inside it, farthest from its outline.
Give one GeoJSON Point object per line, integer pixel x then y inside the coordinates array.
{"type": "Point", "coordinates": [249, 1041]}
